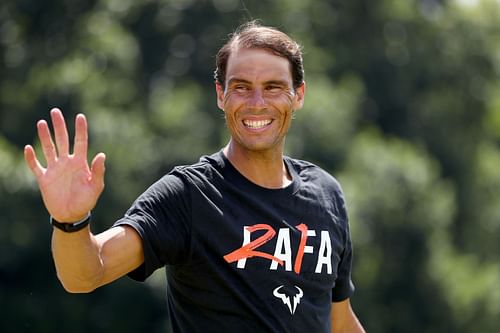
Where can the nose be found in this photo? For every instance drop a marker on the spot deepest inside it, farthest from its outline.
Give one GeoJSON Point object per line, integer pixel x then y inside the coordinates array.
{"type": "Point", "coordinates": [257, 99]}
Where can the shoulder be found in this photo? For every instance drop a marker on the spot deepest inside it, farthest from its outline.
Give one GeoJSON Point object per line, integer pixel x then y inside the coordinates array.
{"type": "Point", "coordinates": [207, 167]}
{"type": "Point", "coordinates": [182, 177]}
{"type": "Point", "coordinates": [179, 182]}
{"type": "Point", "coordinates": [317, 183]}
{"type": "Point", "coordinates": [311, 173]}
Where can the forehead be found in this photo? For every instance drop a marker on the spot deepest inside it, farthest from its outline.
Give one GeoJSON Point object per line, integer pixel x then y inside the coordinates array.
{"type": "Point", "coordinates": [253, 64]}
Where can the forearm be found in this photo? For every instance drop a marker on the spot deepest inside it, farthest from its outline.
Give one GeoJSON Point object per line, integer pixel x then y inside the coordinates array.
{"type": "Point", "coordinates": [77, 259]}
{"type": "Point", "coordinates": [344, 320]}
{"type": "Point", "coordinates": [352, 325]}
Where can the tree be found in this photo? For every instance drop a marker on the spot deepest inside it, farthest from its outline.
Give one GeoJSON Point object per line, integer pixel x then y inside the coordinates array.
{"type": "Point", "coordinates": [401, 106]}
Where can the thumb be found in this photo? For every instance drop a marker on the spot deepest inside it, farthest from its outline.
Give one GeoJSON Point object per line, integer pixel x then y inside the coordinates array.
{"type": "Point", "coordinates": [97, 170]}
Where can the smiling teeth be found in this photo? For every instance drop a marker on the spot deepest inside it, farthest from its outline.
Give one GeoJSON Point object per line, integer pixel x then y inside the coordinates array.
{"type": "Point", "coordinates": [255, 124]}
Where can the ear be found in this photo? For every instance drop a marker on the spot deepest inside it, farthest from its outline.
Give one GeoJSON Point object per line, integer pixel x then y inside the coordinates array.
{"type": "Point", "coordinates": [299, 96]}
{"type": "Point", "coordinates": [220, 95]}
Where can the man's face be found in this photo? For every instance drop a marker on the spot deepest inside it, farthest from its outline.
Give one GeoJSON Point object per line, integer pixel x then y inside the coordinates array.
{"type": "Point", "coordinates": [258, 99]}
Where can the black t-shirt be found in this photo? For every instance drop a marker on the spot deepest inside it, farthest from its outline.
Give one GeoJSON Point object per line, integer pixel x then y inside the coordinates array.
{"type": "Point", "coordinates": [243, 258]}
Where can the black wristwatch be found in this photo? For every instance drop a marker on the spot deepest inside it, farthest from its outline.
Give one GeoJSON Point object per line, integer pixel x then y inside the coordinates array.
{"type": "Point", "coordinates": [71, 227]}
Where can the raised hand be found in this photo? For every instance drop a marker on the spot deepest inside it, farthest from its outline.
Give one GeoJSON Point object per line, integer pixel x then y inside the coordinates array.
{"type": "Point", "coordinates": [69, 187]}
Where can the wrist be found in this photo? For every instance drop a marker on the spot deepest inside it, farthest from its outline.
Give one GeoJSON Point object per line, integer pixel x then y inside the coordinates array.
{"type": "Point", "coordinates": [71, 226]}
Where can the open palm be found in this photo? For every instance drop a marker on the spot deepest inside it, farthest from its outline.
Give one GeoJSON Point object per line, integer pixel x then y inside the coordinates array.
{"type": "Point", "coordinates": [69, 187]}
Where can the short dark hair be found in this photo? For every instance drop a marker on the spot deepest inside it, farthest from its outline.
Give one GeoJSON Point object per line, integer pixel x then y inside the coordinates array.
{"type": "Point", "coordinates": [253, 35]}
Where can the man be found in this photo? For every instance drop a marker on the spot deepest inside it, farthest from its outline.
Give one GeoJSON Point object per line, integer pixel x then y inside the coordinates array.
{"type": "Point", "coordinates": [252, 240]}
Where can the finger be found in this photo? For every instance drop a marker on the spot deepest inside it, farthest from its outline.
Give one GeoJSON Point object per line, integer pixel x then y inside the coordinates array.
{"type": "Point", "coordinates": [97, 169]}
{"type": "Point", "coordinates": [48, 148]}
{"type": "Point", "coordinates": [32, 161]}
{"type": "Point", "coordinates": [81, 136]}
{"type": "Point", "coordinates": [60, 132]}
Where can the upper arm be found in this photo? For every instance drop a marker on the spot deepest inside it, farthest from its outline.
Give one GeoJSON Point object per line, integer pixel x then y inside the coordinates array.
{"type": "Point", "coordinates": [121, 252]}
{"type": "Point", "coordinates": [343, 318]}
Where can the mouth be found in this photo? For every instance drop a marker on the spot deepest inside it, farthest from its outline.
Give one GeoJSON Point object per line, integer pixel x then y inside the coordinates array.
{"type": "Point", "coordinates": [256, 124]}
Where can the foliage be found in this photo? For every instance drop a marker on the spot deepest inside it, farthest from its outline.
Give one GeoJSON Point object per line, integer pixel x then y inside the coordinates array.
{"type": "Point", "coordinates": [402, 106]}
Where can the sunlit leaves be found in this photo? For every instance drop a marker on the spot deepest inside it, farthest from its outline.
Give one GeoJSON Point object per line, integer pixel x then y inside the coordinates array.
{"type": "Point", "coordinates": [402, 105]}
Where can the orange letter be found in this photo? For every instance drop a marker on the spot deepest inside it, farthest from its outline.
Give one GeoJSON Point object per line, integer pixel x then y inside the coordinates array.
{"type": "Point", "coordinates": [247, 251]}
{"type": "Point", "coordinates": [300, 252]}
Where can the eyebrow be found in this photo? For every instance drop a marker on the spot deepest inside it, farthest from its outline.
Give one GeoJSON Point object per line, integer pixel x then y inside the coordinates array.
{"type": "Point", "coordinates": [276, 82]}
{"type": "Point", "coordinates": [237, 80]}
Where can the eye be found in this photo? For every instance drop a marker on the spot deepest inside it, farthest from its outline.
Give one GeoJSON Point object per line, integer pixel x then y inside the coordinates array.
{"type": "Point", "coordinates": [240, 88]}
{"type": "Point", "coordinates": [273, 88]}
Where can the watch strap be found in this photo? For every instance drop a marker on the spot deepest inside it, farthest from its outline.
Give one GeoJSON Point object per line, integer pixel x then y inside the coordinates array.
{"type": "Point", "coordinates": [71, 227]}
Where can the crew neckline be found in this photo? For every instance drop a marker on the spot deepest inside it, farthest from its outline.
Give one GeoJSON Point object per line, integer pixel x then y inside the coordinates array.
{"type": "Point", "coordinates": [291, 188]}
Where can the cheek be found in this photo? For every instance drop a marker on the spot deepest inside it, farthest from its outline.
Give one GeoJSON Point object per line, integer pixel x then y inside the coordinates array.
{"type": "Point", "coordinates": [230, 100]}
{"type": "Point", "coordinates": [283, 99]}
{"type": "Point", "coordinates": [234, 100]}
{"type": "Point", "coordinates": [285, 105]}
{"type": "Point", "coordinates": [230, 104]}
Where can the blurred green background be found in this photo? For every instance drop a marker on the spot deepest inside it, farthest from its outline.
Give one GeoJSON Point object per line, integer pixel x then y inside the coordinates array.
{"type": "Point", "coordinates": [402, 106]}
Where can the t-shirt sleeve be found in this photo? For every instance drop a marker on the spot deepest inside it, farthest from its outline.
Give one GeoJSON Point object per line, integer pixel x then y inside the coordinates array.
{"type": "Point", "coordinates": [344, 287]}
{"type": "Point", "coordinates": [161, 216]}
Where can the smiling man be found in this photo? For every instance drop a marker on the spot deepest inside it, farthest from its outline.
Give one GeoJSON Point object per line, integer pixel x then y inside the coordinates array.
{"type": "Point", "coordinates": [252, 240]}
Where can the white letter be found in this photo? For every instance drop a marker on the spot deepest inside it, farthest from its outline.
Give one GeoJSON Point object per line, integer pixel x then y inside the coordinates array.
{"type": "Point", "coordinates": [246, 240]}
{"type": "Point", "coordinates": [283, 241]}
{"type": "Point", "coordinates": [325, 253]}
{"type": "Point", "coordinates": [308, 248]}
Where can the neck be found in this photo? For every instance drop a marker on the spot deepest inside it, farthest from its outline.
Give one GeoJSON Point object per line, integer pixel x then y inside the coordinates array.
{"type": "Point", "coordinates": [264, 168]}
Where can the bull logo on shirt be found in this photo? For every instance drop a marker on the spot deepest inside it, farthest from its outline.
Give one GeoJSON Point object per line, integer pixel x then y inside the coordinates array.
{"type": "Point", "coordinates": [278, 293]}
